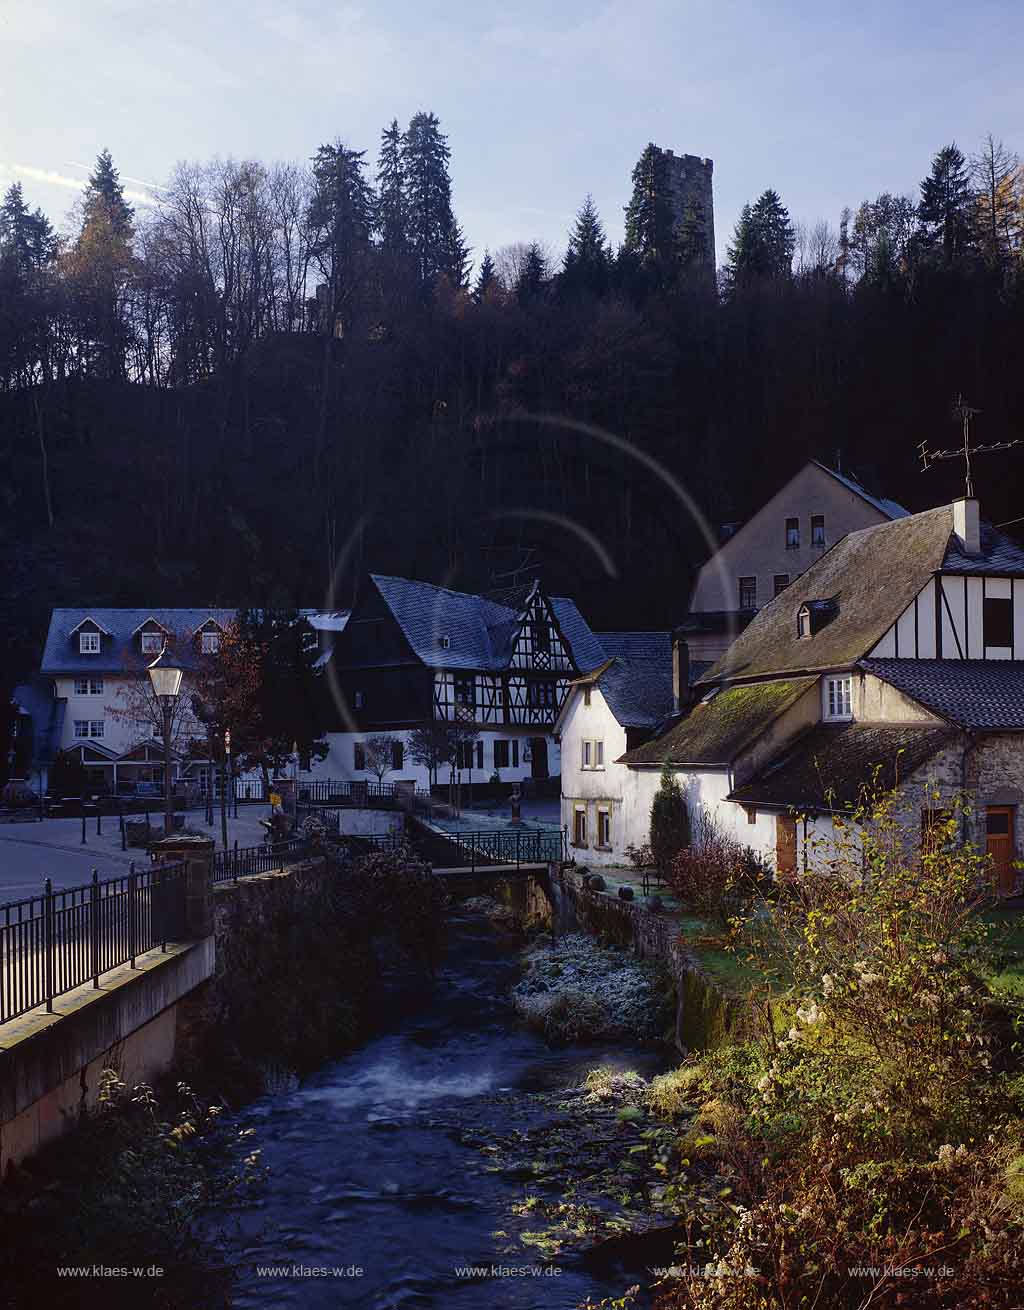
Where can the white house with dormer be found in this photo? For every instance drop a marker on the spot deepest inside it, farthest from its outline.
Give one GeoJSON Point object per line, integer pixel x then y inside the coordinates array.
{"type": "Point", "coordinates": [80, 698]}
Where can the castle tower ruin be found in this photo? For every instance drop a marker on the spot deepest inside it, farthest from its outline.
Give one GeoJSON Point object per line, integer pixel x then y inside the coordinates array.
{"type": "Point", "coordinates": [690, 179]}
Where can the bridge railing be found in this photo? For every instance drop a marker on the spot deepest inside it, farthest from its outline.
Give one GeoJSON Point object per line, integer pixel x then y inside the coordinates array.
{"type": "Point", "coordinates": [473, 850]}
{"type": "Point", "coordinates": [375, 795]}
{"type": "Point", "coordinates": [52, 943]}
{"type": "Point", "coordinates": [232, 864]}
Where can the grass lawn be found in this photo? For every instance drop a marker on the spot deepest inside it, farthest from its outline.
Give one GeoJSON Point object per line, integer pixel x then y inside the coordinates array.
{"type": "Point", "coordinates": [1008, 930]}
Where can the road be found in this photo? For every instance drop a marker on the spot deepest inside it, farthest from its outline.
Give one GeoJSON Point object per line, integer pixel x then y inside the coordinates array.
{"type": "Point", "coordinates": [32, 852]}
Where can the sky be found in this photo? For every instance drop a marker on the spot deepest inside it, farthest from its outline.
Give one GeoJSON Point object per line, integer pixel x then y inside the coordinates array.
{"type": "Point", "coordinates": [829, 103]}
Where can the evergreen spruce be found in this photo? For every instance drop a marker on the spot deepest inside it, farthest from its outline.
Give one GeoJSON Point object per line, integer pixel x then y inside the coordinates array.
{"type": "Point", "coordinates": [650, 220]}
{"type": "Point", "coordinates": [533, 275]}
{"type": "Point", "coordinates": [26, 237]}
{"type": "Point", "coordinates": [947, 205]}
{"type": "Point", "coordinates": [486, 279]}
{"type": "Point", "coordinates": [763, 241]}
{"type": "Point", "coordinates": [104, 200]}
{"type": "Point", "coordinates": [433, 232]}
{"type": "Point", "coordinates": [392, 209]}
{"type": "Point", "coordinates": [587, 262]}
{"type": "Point", "coordinates": [340, 219]}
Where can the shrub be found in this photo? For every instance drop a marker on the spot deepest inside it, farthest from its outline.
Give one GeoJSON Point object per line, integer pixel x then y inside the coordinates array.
{"type": "Point", "coordinates": [717, 877]}
{"type": "Point", "coordinates": [670, 823]}
{"type": "Point", "coordinates": [872, 1128]}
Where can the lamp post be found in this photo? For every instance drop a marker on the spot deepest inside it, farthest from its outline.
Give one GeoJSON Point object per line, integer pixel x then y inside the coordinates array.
{"type": "Point", "coordinates": [165, 679]}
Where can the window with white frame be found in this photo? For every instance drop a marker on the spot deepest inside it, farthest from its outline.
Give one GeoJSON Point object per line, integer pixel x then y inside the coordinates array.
{"type": "Point", "coordinates": [81, 727]}
{"type": "Point", "coordinates": [839, 698]}
{"type": "Point", "coordinates": [81, 686]}
{"type": "Point", "coordinates": [210, 642]}
{"type": "Point", "coordinates": [152, 643]}
{"type": "Point", "coordinates": [592, 754]}
{"type": "Point", "coordinates": [96, 727]}
{"type": "Point", "coordinates": [89, 643]}
{"type": "Point", "coordinates": [579, 826]}
{"type": "Point", "coordinates": [88, 686]}
{"type": "Point", "coordinates": [604, 827]}
{"type": "Point", "coordinates": [95, 686]}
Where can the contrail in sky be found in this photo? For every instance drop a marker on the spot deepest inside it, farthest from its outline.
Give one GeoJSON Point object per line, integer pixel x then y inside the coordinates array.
{"type": "Point", "coordinates": [51, 177]}
{"type": "Point", "coordinates": [139, 181]}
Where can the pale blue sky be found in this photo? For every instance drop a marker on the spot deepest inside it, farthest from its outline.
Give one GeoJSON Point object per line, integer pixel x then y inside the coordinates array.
{"type": "Point", "coordinates": [829, 102]}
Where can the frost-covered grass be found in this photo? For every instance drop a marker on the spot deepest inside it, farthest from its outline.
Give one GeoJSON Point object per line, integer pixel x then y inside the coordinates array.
{"type": "Point", "coordinates": [578, 990]}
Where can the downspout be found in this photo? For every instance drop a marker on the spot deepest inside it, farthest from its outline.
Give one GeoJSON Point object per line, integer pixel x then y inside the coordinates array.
{"type": "Point", "coordinates": [969, 748]}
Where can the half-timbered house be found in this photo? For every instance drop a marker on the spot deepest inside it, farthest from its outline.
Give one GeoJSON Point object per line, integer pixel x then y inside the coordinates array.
{"type": "Point", "coordinates": [897, 660]}
{"type": "Point", "coordinates": [498, 666]}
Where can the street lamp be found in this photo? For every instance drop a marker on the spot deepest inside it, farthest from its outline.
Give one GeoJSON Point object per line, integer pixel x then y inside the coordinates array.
{"type": "Point", "coordinates": [165, 679]}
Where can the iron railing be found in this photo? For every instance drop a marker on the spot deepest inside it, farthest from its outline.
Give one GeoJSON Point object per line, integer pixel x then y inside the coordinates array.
{"type": "Point", "coordinates": [326, 791]}
{"type": "Point", "coordinates": [52, 943]}
{"type": "Point", "coordinates": [474, 850]}
{"type": "Point", "coordinates": [230, 865]}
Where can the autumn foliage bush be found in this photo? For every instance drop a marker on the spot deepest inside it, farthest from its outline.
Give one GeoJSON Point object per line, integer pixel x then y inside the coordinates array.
{"type": "Point", "coordinates": [878, 1119]}
{"type": "Point", "coordinates": [716, 877]}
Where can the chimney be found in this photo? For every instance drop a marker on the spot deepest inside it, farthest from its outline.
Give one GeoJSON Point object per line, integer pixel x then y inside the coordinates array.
{"type": "Point", "coordinates": [680, 674]}
{"type": "Point", "coordinates": [966, 525]}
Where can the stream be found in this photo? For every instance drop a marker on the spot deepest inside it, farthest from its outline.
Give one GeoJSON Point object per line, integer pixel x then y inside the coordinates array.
{"type": "Point", "coordinates": [374, 1162]}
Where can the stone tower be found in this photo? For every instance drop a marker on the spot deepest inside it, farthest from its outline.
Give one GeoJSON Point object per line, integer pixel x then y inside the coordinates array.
{"type": "Point", "coordinates": [690, 178]}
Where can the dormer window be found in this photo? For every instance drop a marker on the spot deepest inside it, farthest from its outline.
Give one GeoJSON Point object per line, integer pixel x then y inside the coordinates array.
{"type": "Point", "coordinates": [838, 698]}
{"type": "Point", "coordinates": [152, 643]}
{"type": "Point", "coordinates": [813, 615]}
{"type": "Point", "coordinates": [88, 643]}
{"type": "Point", "coordinates": [803, 622]}
{"type": "Point", "coordinates": [210, 642]}
{"type": "Point", "coordinates": [444, 641]}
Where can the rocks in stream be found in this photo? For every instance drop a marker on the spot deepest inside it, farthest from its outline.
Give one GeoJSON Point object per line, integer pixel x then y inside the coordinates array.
{"type": "Point", "coordinates": [577, 990]}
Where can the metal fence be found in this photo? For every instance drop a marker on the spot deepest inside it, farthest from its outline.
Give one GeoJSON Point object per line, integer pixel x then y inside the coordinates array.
{"type": "Point", "coordinates": [326, 791]}
{"type": "Point", "coordinates": [473, 850]}
{"type": "Point", "coordinates": [230, 865]}
{"type": "Point", "coordinates": [62, 939]}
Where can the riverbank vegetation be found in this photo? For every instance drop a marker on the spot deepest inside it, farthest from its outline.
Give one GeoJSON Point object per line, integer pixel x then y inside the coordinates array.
{"type": "Point", "coordinates": [125, 1191]}
{"type": "Point", "coordinates": [870, 1133]}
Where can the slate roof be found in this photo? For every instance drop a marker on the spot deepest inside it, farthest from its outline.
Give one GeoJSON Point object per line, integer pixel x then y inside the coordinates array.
{"type": "Point", "coordinates": [890, 508]}
{"type": "Point", "coordinates": [717, 729]}
{"type": "Point", "coordinates": [831, 765]}
{"type": "Point", "coordinates": [872, 574]}
{"type": "Point", "coordinates": [36, 699]}
{"type": "Point", "coordinates": [636, 678]}
{"type": "Point", "coordinates": [327, 620]}
{"type": "Point", "coordinates": [481, 630]}
{"type": "Point", "coordinates": [980, 694]}
{"type": "Point", "coordinates": [61, 654]}
{"type": "Point", "coordinates": [999, 554]}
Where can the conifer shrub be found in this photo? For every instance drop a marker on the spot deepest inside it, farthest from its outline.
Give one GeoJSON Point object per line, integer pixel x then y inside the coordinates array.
{"type": "Point", "coordinates": [670, 823]}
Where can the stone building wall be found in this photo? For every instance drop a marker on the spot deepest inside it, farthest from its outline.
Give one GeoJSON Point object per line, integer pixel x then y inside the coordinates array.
{"type": "Point", "coordinates": [691, 178]}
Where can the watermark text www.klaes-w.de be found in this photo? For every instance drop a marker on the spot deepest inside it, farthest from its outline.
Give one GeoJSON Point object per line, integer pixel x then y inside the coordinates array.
{"type": "Point", "coordinates": [110, 1271]}
{"type": "Point", "coordinates": [507, 1271]}
{"type": "Point", "coordinates": [310, 1271]}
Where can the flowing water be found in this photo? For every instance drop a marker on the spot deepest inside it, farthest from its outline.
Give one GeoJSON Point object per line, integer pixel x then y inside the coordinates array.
{"type": "Point", "coordinates": [369, 1168]}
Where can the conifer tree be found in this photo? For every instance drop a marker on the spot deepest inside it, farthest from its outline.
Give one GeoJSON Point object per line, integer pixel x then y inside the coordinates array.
{"type": "Point", "coordinates": [670, 822]}
{"type": "Point", "coordinates": [104, 200]}
{"type": "Point", "coordinates": [532, 276]}
{"type": "Point", "coordinates": [947, 202]}
{"type": "Point", "coordinates": [432, 227]}
{"type": "Point", "coordinates": [392, 210]}
{"type": "Point", "coordinates": [588, 258]}
{"type": "Point", "coordinates": [340, 219]}
{"type": "Point", "coordinates": [26, 237]}
{"type": "Point", "coordinates": [486, 279]}
{"type": "Point", "coordinates": [650, 220]}
{"type": "Point", "coordinates": [458, 258]}
{"type": "Point", "coordinates": [763, 241]}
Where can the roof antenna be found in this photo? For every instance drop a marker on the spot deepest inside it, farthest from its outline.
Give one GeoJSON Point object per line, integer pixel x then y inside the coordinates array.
{"type": "Point", "coordinates": [964, 412]}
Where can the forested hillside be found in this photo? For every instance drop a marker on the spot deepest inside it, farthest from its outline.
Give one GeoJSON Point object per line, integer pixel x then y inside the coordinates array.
{"type": "Point", "coordinates": [280, 377]}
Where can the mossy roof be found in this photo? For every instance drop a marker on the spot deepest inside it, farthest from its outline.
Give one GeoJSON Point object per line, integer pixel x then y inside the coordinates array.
{"type": "Point", "coordinates": [872, 575]}
{"type": "Point", "coordinates": [716, 730]}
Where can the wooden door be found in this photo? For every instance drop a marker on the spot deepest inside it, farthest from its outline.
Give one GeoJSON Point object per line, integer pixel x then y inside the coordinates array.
{"type": "Point", "coordinates": [999, 843]}
{"type": "Point", "coordinates": [785, 845]}
{"type": "Point", "coordinates": [539, 757]}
